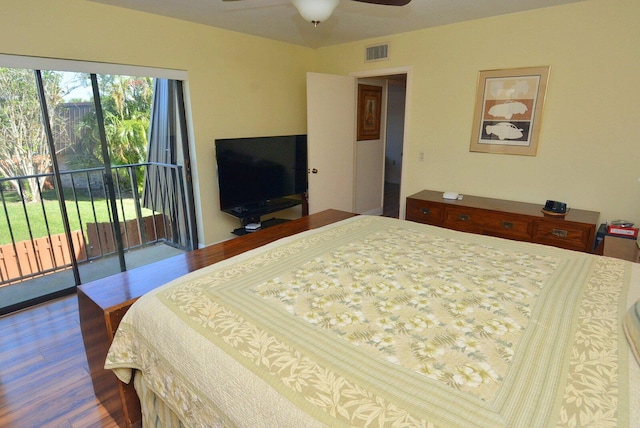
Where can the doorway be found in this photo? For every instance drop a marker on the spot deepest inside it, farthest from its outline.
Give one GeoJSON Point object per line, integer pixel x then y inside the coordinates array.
{"type": "Point", "coordinates": [394, 143]}
{"type": "Point", "coordinates": [346, 174]}
{"type": "Point", "coordinates": [379, 162]}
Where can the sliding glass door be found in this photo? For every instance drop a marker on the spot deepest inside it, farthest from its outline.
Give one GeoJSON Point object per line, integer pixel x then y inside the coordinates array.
{"type": "Point", "coordinates": [84, 193]}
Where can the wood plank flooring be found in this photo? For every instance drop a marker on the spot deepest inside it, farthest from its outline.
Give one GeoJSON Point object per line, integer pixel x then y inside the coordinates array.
{"type": "Point", "coordinates": [44, 376]}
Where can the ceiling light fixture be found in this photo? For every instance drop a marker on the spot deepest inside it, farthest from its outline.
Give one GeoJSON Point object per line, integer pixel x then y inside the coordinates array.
{"type": "Point", "coordinates": [315, 11]}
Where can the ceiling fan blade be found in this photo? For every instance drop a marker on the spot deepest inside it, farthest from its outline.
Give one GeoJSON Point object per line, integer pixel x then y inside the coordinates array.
{"type": "Point", "coordinates": [382, 2]}
{"type": "Point", "coordinates": [386, 2]}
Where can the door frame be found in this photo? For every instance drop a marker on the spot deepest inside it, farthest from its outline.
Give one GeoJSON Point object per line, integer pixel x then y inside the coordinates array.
{"type": "Point", "coordinates": [381, 73]}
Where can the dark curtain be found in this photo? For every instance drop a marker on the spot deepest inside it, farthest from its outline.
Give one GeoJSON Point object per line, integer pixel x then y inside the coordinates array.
{"type": "Point", "coordinates": [164, 184]}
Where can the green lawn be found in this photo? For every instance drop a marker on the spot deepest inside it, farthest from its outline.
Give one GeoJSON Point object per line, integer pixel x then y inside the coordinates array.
{"type": "Point", "coordinates": [36, 217]}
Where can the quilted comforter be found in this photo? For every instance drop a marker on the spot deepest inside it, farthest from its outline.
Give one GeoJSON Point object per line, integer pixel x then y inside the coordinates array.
{"type": "Point", "coordinates": [382, 322]}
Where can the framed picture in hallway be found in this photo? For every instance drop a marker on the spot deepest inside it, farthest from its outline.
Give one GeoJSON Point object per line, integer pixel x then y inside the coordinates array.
{"type": "Point", "coordinates": [508, 110]}
{"type": "Point", "coordinates": [369, 111]}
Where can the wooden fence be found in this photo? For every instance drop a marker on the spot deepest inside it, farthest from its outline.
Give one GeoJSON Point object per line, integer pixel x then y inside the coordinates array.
{"type": "Point", "coordinates": [42, 255]}
{"type": "Point", "coordinates": [45, 256]}
{"type": "Point", "coordinates": [101, 240]}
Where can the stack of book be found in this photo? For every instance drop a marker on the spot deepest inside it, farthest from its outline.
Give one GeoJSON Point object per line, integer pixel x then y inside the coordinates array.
{"type": "Point", "coordinates": [622, 228]}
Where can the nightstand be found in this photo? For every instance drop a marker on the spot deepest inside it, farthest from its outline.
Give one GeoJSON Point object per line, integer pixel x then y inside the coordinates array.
{"type": "Point", "coordinates": [621, 248]}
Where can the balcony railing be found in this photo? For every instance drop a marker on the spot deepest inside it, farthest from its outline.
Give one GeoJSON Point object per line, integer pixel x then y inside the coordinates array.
{"type": "Point", "coordinates": [33, 241]}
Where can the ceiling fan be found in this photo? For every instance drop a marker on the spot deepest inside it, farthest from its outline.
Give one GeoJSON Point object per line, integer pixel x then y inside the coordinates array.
{"type": "Point", "coordinates": [317, 11]}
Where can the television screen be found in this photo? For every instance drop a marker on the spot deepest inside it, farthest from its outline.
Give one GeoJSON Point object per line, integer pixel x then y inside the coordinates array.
{"type": "Point", "coordinates": [253, 171]}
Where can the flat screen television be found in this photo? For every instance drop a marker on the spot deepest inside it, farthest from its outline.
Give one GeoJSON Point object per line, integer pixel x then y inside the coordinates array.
{"type": "Point", "coordinates": [254, 173]}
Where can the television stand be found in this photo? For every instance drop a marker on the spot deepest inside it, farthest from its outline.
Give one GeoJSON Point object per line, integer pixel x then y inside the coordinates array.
{"type": "Point", "coordinates": [263, 225]}
{"type": "Point", "coordinates": [252, 213]}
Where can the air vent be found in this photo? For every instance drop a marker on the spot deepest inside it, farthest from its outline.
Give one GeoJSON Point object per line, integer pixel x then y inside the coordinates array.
{"type": "Point", "coordinates": [377, 53]}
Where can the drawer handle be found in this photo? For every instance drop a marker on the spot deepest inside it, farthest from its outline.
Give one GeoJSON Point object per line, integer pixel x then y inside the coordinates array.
{"type": "Point", "coordinates": [426, 211]}
{"type": "Point", "coordinates": [463, 217]}
{"type": "Point", "coordinates": [507, 225]}
{"type": "Point", "coordinates": [559, 233]}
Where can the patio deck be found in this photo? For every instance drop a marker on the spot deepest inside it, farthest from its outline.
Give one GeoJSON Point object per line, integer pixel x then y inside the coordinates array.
{"type": "Point", "coordinates": [16, 296]}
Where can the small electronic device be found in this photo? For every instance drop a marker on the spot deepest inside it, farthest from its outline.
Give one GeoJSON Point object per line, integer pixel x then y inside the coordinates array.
{"type": "Point", "coordinates": [252, 227]}
{"type": "Point", "coordinates": [450, 195]}
{"type": "Point", "coordinates": [555, 207]}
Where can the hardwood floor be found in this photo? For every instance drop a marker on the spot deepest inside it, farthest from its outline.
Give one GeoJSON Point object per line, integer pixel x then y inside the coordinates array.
{"type": "Point", "coordinates": [44, 376]}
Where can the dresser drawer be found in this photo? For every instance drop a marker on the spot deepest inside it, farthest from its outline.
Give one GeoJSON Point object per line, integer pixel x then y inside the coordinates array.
{"type": "Point", "coordinates": [571, 236]}
{"type": "Point", "coordinates": [508, 226]}
{"type": "Point", "coordinates": [464, 219]}
{"type": "Point", "coordinates": [519, 221]}
{"type": "Point", "coordinates": [424, 212]}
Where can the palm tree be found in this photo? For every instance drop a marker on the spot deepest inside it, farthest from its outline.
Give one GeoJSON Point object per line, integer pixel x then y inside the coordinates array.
{"type": "Point", "coordinates": [126, 104]}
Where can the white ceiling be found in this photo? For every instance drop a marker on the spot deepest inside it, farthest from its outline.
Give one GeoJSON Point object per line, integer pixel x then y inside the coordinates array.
{"type": "Point", "coordinates": [351, 21]}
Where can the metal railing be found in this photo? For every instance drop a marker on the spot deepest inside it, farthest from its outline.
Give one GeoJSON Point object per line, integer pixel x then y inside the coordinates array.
{"type": "Point", "coordinates": [32, 238]}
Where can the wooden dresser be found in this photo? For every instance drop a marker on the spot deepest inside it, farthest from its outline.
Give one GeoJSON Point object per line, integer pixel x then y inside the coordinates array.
{"type": "Point", "coordinates": [520, 221]}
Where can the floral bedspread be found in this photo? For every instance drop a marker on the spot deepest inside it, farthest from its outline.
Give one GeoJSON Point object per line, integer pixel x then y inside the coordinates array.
{"type": "Point", "coordinates": [381, 322]}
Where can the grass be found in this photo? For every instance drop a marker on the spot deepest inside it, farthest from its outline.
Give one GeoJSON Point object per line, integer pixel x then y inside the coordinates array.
{"type": "Point", "coordinates": [48, 213]}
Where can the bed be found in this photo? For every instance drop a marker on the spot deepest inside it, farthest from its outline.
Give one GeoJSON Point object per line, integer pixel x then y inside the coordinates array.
{"type": "Point", "coordinates": [373, 321]}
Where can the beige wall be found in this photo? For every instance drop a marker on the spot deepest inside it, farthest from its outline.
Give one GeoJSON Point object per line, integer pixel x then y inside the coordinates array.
{"type": "Point", "coordinates": [238, 85]}
{"type": "Point", "coordinates": [589, 148]}
{"type": "Point", "coordinates": [241, 85]}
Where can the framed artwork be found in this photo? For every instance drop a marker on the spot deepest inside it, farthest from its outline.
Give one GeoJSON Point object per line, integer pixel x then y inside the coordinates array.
{"type": "Point", "coordinates": [508, 110]}
{"type": "Point", "coordinates": [369, 111]}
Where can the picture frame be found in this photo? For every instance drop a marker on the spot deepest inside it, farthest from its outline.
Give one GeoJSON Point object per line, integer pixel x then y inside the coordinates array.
{"type": "Point", "coordinates": [508, 110]}
{"type": "Point", "coordinates": [369, 111]}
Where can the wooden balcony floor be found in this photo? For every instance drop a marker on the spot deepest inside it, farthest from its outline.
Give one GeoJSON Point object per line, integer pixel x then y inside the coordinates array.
{"type": "Point", "coordinates": [22, 294]}
{"type": "Point", "coordinates": [44, 376]}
